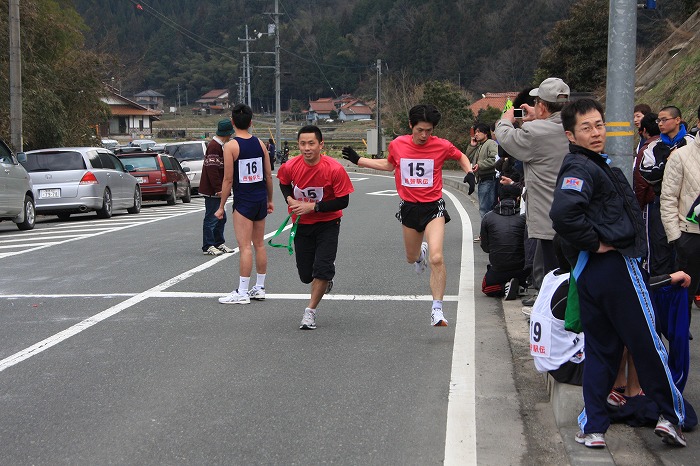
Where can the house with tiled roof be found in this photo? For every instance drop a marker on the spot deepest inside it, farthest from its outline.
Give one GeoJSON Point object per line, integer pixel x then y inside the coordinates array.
{"type": "Point", "coordinates": [321, 109]}
{"type": "Point", "coordinates": [128, 117]}
{"type": "Point", "coordinates": [215, 97]}
{"type": "Point", "coordinates": [150, 99]}
{"type": "Point", "coordinates": [492, 99]}
{"type": "Point", "coordinates": [355, 110]}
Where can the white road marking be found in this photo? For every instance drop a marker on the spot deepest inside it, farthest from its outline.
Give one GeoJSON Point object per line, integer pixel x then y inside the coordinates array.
{"type": "Point", "coordinates": [460, 436]}
{"type": "Point", "coordinates": [386, 192]}
{"type": "Point", "coordinates": [193, 295]}
{"type": "Point", "coordinates": [93, 228]}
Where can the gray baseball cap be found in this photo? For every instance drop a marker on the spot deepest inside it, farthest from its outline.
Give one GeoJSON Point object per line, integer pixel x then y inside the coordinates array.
{"type": "Point", "coordinates": [552, 90]}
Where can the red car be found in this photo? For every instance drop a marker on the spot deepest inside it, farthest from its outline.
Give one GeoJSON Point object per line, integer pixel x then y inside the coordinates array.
{"type": "Point", "coordinates": [160, 176]}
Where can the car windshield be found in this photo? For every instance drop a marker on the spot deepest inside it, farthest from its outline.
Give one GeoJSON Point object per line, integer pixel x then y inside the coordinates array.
{"type": "Point", "coordinates": [183, 152]}
{"type": "Point", "coordinates": [54, 161]}
{"type": "Point", "coordinates": [142, 164]}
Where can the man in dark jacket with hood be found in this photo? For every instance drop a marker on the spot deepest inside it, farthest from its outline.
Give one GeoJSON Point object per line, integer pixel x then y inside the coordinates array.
{"type": "Point", "coordinates": [503, 238]}
{"type": "Point", "coordinates": [598, 218]}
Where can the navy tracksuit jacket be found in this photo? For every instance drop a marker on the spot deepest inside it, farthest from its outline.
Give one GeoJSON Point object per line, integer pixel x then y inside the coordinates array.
{"type": "Point", "coordinates": [594, 203]}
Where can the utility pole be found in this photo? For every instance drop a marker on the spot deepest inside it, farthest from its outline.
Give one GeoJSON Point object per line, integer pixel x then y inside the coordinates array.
{"type": "Point", "coordinates": [278, 100]}
{"type": "Point", "coordinates": [379, 101]}
{"type": "Point", "coordinates": [246, 62]}
{"type": "Point", "coordinates": [622, 51]}
{"type": "Point", "coordinates": [15, 79]}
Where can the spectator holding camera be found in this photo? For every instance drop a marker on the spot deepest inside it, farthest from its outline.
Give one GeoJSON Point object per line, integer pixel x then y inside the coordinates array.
{"type": "Point", "coordinates": [541, 143]}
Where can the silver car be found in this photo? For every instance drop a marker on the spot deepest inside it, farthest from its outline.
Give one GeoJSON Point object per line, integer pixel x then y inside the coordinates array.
{"type": "Point", "coordinates": [16, 197]}
{"type": "Point", "coordinates": [81, 179]}
{"type": "Point", "coordinates": [190, 154]}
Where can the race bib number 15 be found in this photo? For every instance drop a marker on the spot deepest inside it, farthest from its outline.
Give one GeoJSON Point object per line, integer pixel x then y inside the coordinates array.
{"type": "Point", "coordinates": [309, 194]}
{"type": "Point", "coordinates": [417, 173]}
{"type": "Point", "coordinates": [250, 170]}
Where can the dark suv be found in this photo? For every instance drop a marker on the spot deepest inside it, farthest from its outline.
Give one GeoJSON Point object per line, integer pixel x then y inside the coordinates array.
{"type": "Point", "coordinates": [160, 176]}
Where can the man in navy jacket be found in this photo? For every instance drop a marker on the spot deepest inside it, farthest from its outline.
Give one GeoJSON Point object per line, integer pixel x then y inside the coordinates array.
{"type": "Point", "coordinates": [597, 215]}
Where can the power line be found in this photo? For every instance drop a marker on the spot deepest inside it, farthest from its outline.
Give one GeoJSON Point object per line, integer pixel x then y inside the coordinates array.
{"type": "Point", "coordinates": [181, 29]}
{"type": "Point", "coordinates": [291, 20]}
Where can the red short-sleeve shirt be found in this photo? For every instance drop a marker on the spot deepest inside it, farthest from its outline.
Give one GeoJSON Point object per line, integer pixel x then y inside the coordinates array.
{"type": "Point", "coordinates": [325, 181]}
{"type": "Point", "coordinates": [419, 167]}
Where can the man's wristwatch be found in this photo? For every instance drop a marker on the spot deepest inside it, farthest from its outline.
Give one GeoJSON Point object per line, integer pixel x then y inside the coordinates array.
{"type": "Point", "coordinates": [316, 207]}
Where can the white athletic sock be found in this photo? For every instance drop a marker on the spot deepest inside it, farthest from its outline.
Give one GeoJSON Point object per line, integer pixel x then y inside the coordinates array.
{"type": "Point", "coordinates": [243, 284]}
{"type": "Point", "coordinates": [260, 282]}
{"type": "Point", "coordinates": [437, 304]}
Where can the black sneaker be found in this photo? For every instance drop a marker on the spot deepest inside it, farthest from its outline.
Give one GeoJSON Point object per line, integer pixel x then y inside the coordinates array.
{"type": "Point", "coordinates": [511, 289]}
{"type": "Point", "coordinates": [530, 301]}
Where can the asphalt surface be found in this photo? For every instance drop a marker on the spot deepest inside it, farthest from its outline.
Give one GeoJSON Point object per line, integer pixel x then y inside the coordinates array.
{"type": "Point", "coordinates": [114, 350]}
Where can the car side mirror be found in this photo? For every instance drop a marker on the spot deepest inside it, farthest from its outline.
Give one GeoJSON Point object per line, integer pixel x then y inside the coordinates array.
{"type": "Point", "coordinates": [185, 169]}
{"type": "Point", "coordinates": [21, 157]}
{"type": "Point", "coordinates": [129, 168]}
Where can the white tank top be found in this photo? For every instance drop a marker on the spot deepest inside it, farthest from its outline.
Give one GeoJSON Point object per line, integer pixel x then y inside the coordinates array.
{"type": "Point", "coordinates": [550, 344]}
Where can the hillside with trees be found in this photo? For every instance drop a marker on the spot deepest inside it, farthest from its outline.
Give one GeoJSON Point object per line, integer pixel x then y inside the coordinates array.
{"type": "Point", "coordinates": [183, 48]}
{"type": "Point", "coordinates": [331, 46]}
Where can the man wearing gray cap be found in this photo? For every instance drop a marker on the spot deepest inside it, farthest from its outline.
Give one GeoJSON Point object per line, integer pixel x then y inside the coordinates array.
{"type": "Point", "coordinates": [541, 143]}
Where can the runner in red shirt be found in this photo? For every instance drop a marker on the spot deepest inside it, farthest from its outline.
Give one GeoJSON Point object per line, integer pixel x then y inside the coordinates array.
{"type": "Point", "coordinates": [317, 188]}
{"type": "Point", "coordinates": [417, 159]}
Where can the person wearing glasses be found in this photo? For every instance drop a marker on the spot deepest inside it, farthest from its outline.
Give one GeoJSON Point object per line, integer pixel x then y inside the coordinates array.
{"type": "Point", "coordinates": [541, 143]}
{"type": "Point", "coordinates": [652, 167]}
{"type": "Point", "coordinates": [680, 206]}
{"type": "Point", "coordinates": [595, 213]}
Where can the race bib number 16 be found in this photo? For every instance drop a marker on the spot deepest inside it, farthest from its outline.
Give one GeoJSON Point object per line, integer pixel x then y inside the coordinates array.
{"type": "Point", "coordinates": [417, 173]}
{"type": "Point", "coordinates": [250, 170]}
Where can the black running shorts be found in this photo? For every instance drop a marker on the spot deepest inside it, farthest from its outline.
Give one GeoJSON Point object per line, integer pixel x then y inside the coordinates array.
{"type": "Point", "coordinates": [315, 247]}
{"type": "Point", "coordinates": [417, 215]}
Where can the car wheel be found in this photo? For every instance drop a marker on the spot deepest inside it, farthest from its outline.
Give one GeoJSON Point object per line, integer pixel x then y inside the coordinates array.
{"type": "Point", "coordinates": [137, 202]}
{"type": "Point", "coordinates": [187, 198]}
{"type": "Point", "coordinates": [172, 199]}
{"type": "Point", "coordinates": [63, 216]}
{"type": "Point", "coordinates": [106, 210]}
{"type": "Point", "coordinates": [29, 214]}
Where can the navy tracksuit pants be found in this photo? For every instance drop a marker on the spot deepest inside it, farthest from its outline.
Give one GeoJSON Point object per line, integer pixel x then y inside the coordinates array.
{"type": "Point", "coordinates": [616, 311]}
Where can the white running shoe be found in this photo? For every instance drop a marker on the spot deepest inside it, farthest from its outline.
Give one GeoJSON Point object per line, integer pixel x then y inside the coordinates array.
{"type": "Point", "coordinates": [593, 440]}
{"type": "Point", "coordinates": [213, 251]}
{"type": "Point", "coordinates": [308, 322]}
{"type": "Point", "coordinates": [669, 433]}
{"type": "Point", "coordinates": [437, 319]}
{"type": "Point", "coordinates": [422, 264]}
{"type": "Point", "coordinates": [235, 297]}
{"type": "Point", "coordinates": [257, 293]}
{"type": "Point", "coordinates": [225, 249]}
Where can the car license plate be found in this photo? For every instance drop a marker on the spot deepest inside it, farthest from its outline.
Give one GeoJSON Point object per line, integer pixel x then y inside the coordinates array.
{"type": "Point", "coordinates": [141, 179]}
{"type": "Point", "coordinates": [190, 176]}
{"type": "Point", "coordinates": [49, 193]}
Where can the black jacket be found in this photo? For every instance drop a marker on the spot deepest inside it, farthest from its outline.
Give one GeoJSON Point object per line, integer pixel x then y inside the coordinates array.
{"type": "Point", "coordinates": [503, 236]}
{"type": "Point", "coordinates": [594, 203]}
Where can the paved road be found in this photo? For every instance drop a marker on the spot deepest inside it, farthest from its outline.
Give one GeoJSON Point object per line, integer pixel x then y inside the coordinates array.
{"type": "Point", "coordinates": [113, 349]}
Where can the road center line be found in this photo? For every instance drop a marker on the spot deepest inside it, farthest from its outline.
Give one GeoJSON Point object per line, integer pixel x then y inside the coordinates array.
{"type": "Point", "coordinates": [57, 338]}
